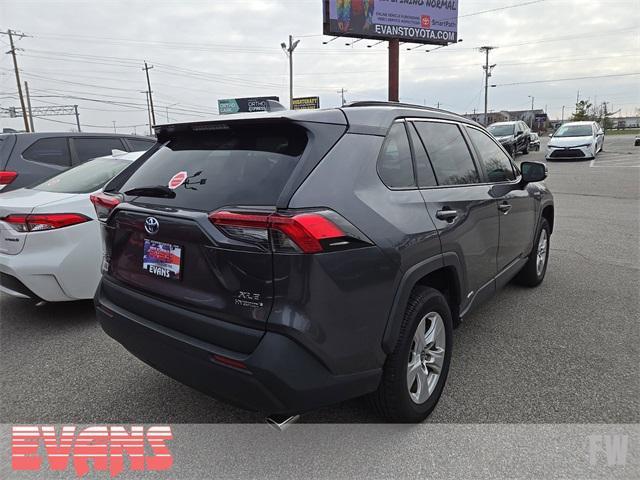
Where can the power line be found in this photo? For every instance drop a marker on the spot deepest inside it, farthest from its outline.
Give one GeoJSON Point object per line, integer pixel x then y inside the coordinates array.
{"type": "Point", "coordinates": [566, 79]}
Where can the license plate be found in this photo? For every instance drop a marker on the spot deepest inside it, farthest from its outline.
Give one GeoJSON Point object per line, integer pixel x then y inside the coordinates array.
{"type": "Point", "coordinates": [162, 259]}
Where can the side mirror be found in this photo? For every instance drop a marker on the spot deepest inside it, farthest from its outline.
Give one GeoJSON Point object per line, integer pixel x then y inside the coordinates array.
{"type": "Point", "coordinates": [533, 172]}
{"type": "Point", "coordinates": [519, 132]}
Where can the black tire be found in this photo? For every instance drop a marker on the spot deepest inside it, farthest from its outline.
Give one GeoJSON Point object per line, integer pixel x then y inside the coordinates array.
{"type": "Point", "coordinates": [513, 151]}
{"type": "Point", "coordinates": [526, 150]}
{"type": "Point", "coordinates": [392, 400]}
{"type": "Point", "coordinates": [529, 275]}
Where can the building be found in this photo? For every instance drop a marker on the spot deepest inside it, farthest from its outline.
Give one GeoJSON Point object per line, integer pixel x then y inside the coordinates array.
{"type": "Point", "coordinates": [537, 119]}
{"type": "Point", "coordinates": [620, 123]}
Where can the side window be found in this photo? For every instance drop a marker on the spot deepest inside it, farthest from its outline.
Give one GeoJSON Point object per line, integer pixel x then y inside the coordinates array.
{"type": "Point", "coordinates": [424, 170]}
{"type": "Point", "coordinates": [496, 163]}
{"type": "Point", "coordinates": [138, 145]}
{"type": "Point", "coordinates": [54, 151]}
{"type": "Point", "coordinates": [87, 148]}
{"type": "Point", "coordinates": [449, 154]}
{"type": "Point", "coordinates": [394, 166]}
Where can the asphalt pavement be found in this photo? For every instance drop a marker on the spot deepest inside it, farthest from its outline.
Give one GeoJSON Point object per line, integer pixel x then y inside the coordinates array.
{"type": "Point", "coordinates": [565, 352]}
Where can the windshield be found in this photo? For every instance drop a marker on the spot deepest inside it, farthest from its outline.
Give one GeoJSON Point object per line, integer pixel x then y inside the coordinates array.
{"type": "Point", "coordinates": [242, 165]}
{"type": "Point", "coordinates": [501, 130]}
{"type": "Point", "coordinates": [574, 131]}
{"type": "Point", "coordinates": [85, 178]}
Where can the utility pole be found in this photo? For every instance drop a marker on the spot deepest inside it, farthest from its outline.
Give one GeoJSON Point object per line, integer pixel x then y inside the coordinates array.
{"type": "Point", "coordinates": [438, 106]}
{"type": "Point", "coordinates": [75, 108]}
{"type": "Point", "coordinates": [342, 92]}
{"type": "Point", "coordinates": [487, 73]}
{"type": "Point", "coordinates": [153, 114]}
{"type": "Point", "coordinates": [288, 50]}
{"type": "Point", "coordinates": [15, 68]}
{"type": "Point", "coordinates": [562, 119]}
{"type": "Point", "coordinates": [148, 111]}
{"type": "Point", "coordinates": [26, 91]}
{"type": "Point", "coordinates": [114, 126]}
{"type": "Point", "coordinates": [532, 115]}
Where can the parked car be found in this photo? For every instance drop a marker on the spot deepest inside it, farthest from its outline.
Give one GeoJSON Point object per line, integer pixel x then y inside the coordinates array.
{"type": "Point", "coordinates": [28, 158]}
{"type": "Point", "coordinates": [307, 257]}
{"type": "Point", "coordinates": [534, 142]}
{"type": "Point", "coordinates": [50, 246]}
{"type": "Point", "coordinates": [515, 137]}
{"type": "Point", "coordinates": [636, 142]}
{"type": "Point", "coordinates": [582, 140]}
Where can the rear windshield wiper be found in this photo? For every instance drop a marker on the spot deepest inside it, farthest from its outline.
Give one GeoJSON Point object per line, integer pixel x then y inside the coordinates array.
{"type": "Point", "coordinates": [159, 191]}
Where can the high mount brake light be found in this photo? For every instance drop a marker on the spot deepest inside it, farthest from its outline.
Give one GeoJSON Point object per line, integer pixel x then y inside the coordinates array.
{"type": "Point", "coordinates": [6, 178]}
{"type": "Point", "coordinates": [104, 203]}
{"type": "Point", "coordinates": [42, 222]}
{"type": "Point", "coordinates": [305, 230]}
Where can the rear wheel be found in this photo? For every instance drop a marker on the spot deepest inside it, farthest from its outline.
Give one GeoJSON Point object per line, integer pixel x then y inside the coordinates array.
{"type": "Point", "coordinates": [535, 269]}
{"type": "Point", "coordinates": [526, 149]}
{"type": "Point", "coordinates": [416, 371]}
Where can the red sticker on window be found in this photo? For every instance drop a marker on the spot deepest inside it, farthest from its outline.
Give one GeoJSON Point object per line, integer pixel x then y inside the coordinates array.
{"type": "Point", "coordinates": [177, 180]}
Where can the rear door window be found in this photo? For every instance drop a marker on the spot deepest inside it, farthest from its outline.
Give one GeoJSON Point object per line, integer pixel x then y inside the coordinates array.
{"type": "Point", "coordinates": [53, 151]}
{"type": "Point", "coordinates": [449, 154]}
{"type": "Point", "coordinates": [237, 165]}
{"type": "Point", "coordinates": [395, 166]}
{"type": "Point", "coordinates": [426, 176]}
{"type": "Point", "coordinates": [88, 148]}
{"type": "Point", "coordinates": [85, 178]}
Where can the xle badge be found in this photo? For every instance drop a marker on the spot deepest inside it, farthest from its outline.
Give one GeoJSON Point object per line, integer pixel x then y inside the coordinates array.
{"type": "Point", "coordinates": [248, 299]}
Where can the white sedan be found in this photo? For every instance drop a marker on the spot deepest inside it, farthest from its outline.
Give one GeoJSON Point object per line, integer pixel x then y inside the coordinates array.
{"type": "Point", "coordinates": [50, 245]}
{"type": "Point", "coordinates": [576, 140]}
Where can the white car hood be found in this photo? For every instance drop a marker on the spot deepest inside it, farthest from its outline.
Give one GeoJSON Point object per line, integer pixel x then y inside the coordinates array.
{"type": "Point", "coordinates": [570, 141]}
{"type": "Point", "coordinates": [505, 138]}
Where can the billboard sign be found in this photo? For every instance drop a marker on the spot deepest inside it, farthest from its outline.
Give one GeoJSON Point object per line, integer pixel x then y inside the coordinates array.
{"type": "Point", "coordinates": [420, 21]}
{"type": "Point", "coordinates": [306, 103]}
{"type": "Point", "coordinates": [245, 105]}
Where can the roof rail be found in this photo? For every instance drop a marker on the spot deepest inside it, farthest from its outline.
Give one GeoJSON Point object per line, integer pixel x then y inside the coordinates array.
{"type": "Point", "coordinates": [380, 103]}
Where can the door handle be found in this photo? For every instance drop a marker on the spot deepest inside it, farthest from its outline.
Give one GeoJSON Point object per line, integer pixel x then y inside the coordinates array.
{"type": "Point", "coordinates": [447, 214]}
{"type": "Point", "coordinates": [504, 207]}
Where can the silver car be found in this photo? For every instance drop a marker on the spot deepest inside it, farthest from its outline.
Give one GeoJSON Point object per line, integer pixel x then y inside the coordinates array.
{"type": "Point", "coordinates": [576, 140]}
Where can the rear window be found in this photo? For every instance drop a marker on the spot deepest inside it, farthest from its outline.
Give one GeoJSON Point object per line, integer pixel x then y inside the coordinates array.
{"type": "Point", "coordinates": [237, 165]}
{"type": "Point", "coordinates": [85, 178]}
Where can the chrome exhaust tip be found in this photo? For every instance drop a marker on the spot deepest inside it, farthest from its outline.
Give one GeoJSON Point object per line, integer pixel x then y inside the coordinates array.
{"type": "Point", "coordinates": [281, 423]}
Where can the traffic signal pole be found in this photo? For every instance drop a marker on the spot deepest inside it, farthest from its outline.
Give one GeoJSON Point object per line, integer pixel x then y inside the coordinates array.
{"type": "Point", "coordinates": [394, 70]}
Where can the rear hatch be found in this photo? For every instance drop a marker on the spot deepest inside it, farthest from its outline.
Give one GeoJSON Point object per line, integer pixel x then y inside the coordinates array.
{"type": "Point", "coordinates": [21, 202]}
{"type": "Point", "coordinates": [162, 243]}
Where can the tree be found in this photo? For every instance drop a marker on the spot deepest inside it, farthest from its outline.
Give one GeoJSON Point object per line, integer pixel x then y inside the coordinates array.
{"type": "Point", "coordinates": [583, 111]}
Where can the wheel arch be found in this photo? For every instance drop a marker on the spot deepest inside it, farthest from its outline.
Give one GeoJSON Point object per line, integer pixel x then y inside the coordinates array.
{"type": "Point", "coordinates": [443, 273]}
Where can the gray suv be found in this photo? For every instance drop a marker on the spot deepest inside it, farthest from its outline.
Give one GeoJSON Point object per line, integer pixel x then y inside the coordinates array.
{"type": "Point", "coordinates": [287, 261]}
{"type": "Point", "coordinates": [27, 158]}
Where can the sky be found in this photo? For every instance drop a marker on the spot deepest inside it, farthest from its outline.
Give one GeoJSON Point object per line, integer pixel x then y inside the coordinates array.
{"type": "Point", "coordinates": [91, 53]}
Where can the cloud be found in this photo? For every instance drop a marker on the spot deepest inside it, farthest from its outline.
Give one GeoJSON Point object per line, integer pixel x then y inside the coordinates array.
{"type": "Point", "coordinates": [206, 50]}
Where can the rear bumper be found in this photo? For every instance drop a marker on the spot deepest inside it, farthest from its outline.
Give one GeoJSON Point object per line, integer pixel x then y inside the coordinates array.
{"type": "Point", "coordinates": [281, 376]}
{"type": "Point", "coordinates": [17, 280]}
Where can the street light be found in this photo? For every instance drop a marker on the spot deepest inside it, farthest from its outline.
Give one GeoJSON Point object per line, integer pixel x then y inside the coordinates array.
{"type": "Point", "coordinates": [289, 52]}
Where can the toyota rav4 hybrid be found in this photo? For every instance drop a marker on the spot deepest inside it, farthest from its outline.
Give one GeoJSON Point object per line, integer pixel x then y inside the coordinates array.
{"type": "Point", "coordinates": [286, 261]}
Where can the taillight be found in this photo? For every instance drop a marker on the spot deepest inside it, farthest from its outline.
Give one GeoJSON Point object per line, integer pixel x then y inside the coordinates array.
{"type": "Point", "coordinates": [6, 178]}
{"type": "Point", "coordinates": [104, 204]}
{"type": "Point", "coordinates": [309, 232]}
{"type": "Point", "coordinates": [42, 222]}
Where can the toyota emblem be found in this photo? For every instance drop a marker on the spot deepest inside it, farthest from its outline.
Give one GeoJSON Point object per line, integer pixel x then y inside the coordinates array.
{"type": "Point", "coordinates": [151, 225]}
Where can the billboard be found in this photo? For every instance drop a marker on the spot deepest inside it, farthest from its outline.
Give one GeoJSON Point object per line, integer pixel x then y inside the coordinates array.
{"type": "Point", "coordinates": [306, 103]}
{"type": "Point", "coordinates": [251, 104]}
{"type": "Point", "coordinates": [420, 21]}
